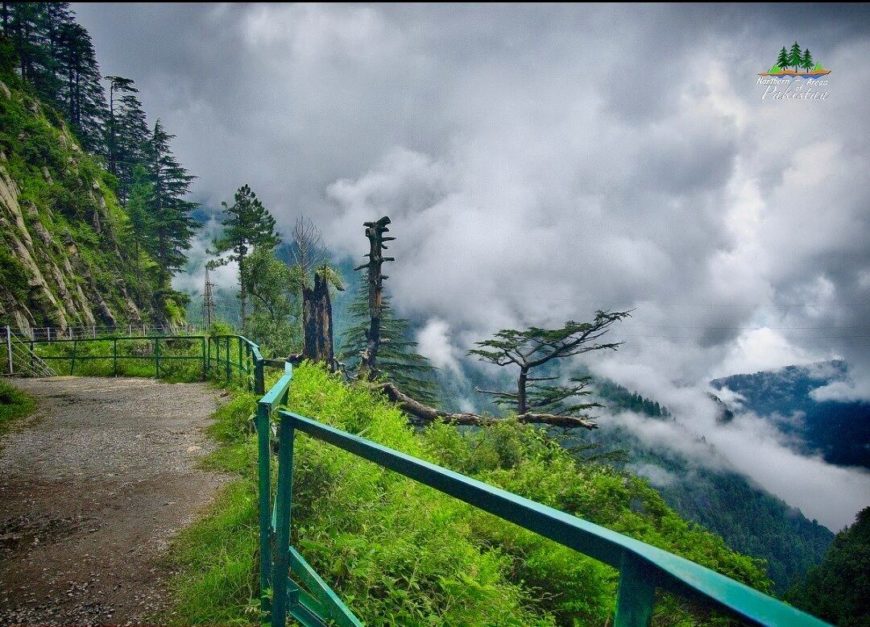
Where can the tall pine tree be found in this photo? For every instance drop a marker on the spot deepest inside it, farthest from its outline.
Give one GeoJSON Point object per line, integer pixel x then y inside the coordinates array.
{"type": "Point", "coordinates": [127, 134]}
{"type": "Point", "coordinates": [795, 57]}
{"type": "Point", "coordinates": [247, 224]}
{"type": "Point", "coordinates": [56, 56]}
{"type": "Point", "coordinates": [169, 213]}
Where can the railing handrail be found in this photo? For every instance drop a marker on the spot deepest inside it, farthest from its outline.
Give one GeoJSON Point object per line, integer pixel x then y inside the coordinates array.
{"type": "Point", "coordinates": [657, 567]}
{"type": "Point", "coordinates": [642, 567]}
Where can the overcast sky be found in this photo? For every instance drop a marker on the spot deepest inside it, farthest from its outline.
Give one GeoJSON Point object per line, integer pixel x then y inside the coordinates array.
{"type": "Point", "coordinates": [539, 163]}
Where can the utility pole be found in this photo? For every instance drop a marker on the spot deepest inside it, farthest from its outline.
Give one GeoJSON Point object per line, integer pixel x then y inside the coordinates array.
{"type": "Point", "coordinates": [375, 233]}
{"type": "Point", "coordinates": [207, 302]}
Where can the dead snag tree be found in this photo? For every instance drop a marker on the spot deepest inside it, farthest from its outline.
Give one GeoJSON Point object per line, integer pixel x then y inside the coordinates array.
{"type": "Point", "coordinates": [535, 347]}
{"type": "Point", "coordinates": [375, 234]}
{"type": "Point", "coordinates": [317, 275]}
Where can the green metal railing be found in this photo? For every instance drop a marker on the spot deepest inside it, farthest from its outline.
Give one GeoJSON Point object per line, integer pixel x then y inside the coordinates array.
{"type": "Point", "coordinates": [227, 357]}
{"type": "Point", "coordinates": [642, 567]}
{"type": "Point", "coordinates": [297, 590]}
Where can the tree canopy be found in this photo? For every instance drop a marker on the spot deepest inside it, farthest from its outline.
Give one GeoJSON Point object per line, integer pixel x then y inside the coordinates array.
{"type": "Point", "coordinates": [535, 347]}
{"type": "Point", "coordinates": [247, 224]}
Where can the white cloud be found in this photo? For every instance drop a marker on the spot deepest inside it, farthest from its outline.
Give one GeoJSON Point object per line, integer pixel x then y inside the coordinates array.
{"type": "Point", "coordinates": [536, 170]}
{"type": "Point", "coordinates": [433, 342]}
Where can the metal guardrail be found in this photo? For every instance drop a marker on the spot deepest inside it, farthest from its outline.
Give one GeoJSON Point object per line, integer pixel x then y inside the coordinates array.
{"type": "Point", "coordinates": [230, 357]}
{"type": "Point", "coordinates": [642, 567]}
{"type": "Point", "coordinates": [298, 590]}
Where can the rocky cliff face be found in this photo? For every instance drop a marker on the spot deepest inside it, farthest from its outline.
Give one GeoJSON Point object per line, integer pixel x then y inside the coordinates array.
{"type": "Point", "coordinates": [62, 233]}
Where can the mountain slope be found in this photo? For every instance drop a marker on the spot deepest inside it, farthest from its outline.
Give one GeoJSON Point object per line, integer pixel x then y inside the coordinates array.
{"type": "Point", "coordinates": [839, 431]}
{"type": "Point", "coordinates": [749, 519]}
{"type": "Point", "coordinates": [64, 259]}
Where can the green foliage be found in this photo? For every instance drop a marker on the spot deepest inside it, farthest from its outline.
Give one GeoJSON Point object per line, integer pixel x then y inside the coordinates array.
{"type": "Point", "coordinates": [126, 134]}
{"type": "Point", "coordinates": [398, 359]}
{"type": "Point", "coordinates": [536, 347]}
{"type": "Point", "coordinates": [795, 57]}
{"type": "Point", "coordinates": [838, 590]}
{"type": "Point", "coordinates": [274, 289]}
{"type": "Point", "coordinates": [782, 60]}
{"type": "Point", "coordinates": [14, 404]}
{"type": "Point", "coordinates": [247, 224]}
{"type": "Point", "coordinates": [171, 223]}
{"type": "Point", "coordinates": [354, 523]}
{"type": "Point", "coordinates": [55, 57]}
{"type": "Point", "coordinates": [807, 60]}
{"type": "Point", "coordinates": [65, 193]}
{"type": "Point", "coordinates": [181, 359]}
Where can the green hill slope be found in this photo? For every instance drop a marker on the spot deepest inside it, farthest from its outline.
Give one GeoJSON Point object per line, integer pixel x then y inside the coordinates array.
{"type": "Point", "coordinates": [65, 258]}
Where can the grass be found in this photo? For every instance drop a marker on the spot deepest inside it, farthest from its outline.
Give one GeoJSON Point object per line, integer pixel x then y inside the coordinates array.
{"type": "Point", "coordinates": [215, 559]}
{"type": "Point", "coordinates": [14, 405]}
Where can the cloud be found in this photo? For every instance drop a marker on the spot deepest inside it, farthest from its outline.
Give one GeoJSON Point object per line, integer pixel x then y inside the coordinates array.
{"type": "Point", "coordinates": [433, 342]}
{"type": "Point", "coordinates": [657, 475]}
{"type": "Point", "coordinates": [193, 280]}
{"type": "Point", "coordinates": [541, 163]}
{"type": "Point", "coordinates": [842, 391]}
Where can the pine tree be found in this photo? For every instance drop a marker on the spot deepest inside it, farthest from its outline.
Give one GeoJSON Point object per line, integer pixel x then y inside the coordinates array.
{"type": "Point", "coordinates": [807, 60]}
{"type": "Point", "coordinates": [120, 85]}
{"type": "Point", "coordinates": [141, 226]}
{"type": "Point", "coordinates": [127, 133]}
{"type": "Point", "coordinates": [56, 56]}
{"type": "Point", "coordinates": [82, 92]}
{"type": "Point", "coordinates": [782, 59]}
{"type": "Point", "coordinates": [247, 224]}
{"type": "Point", "coordinates": [795, 57]}
{"type": "Point", "coordinates": [535, 347]}
{"type": "Point", "coordinates": [172, 225]}
{"type": "Point", "coordinates": [398, 360]}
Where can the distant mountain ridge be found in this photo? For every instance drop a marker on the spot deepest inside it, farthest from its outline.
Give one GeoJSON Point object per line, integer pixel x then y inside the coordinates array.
{"type": "Point", "coordinates": [748, 518]}
{"type": "Point", "coordinates": [839, 431]}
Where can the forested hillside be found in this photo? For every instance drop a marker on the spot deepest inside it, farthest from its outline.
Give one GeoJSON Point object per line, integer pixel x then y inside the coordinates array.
{"type": "Point", "coordinates": [838, 430]}
{"type": "Point", "coordinates": [749, 519]}
{"type": "Point", "coordinates": [92, 202]}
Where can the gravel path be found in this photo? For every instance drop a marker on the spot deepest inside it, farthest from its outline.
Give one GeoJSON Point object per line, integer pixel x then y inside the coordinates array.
{"type": "Point", "coordinates": [92, 488]}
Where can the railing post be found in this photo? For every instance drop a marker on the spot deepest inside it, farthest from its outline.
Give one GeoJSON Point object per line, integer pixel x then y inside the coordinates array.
{"type": "Point", "coordinates": [32, 355]}
{"type": "Point", "coordinates": [229, 360]}
{"type": "Point", "coordinates": [636, 594]}
{"type": "Point", "coordinates": [265, 493]}
{"type": "Point", "coordinates": [157, 356]}
{"type": "Point", "coordinates": [9, 349]}
{"type": "Point", "coordinates": [114, 357]}
{"type": "Point", "coordinates": [202, 344]}
{"type": "Point", "coordinates": [241, 349]}
{"type": "Point", "coordinates": [72, 365]}
{"type": "Point", "coordinates": [259, 382]}
{"type": "Point", "coordinates": [281, 559]}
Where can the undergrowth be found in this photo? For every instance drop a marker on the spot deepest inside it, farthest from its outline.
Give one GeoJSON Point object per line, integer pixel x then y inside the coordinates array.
{"type": "Point", "coordinates": [14, 404]}
{"type": "Point", "coordinates": [398, 552]}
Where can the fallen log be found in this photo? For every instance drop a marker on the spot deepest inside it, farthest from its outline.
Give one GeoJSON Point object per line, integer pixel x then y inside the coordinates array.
{"type": "Point", "coordinates": [427, 414]}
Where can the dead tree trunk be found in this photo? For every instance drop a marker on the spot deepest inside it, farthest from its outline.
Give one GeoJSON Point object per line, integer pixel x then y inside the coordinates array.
{"type": "Point", "coordinates": [425, 414]}
{"type": "Point", "coordinates": [317, 322]}
{"type": "Point", "coordinates": [375, 233]}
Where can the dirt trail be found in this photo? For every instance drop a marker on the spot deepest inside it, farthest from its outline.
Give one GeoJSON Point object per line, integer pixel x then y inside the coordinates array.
{"type": "Point", "coordinates": [92, 488]}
